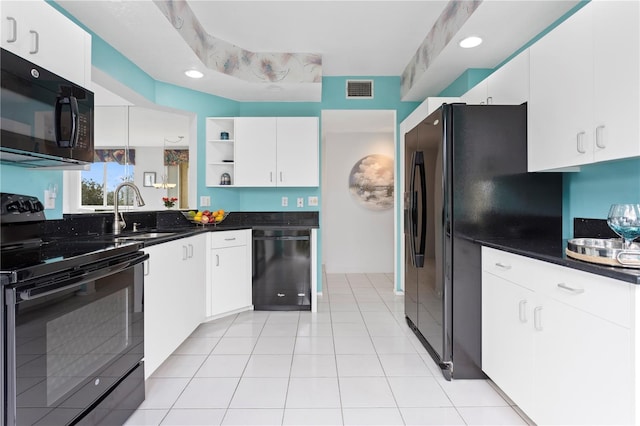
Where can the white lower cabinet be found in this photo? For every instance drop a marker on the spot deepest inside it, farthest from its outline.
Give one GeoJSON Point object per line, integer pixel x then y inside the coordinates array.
{"type": "Point", "coordinates": [229, 283]}
{"type": "Point", "coordinates": [507, 337]}
{"type": "Point", "coordinates": [558, 341]}
{"type": "Point", "coordinates": [174, 296]}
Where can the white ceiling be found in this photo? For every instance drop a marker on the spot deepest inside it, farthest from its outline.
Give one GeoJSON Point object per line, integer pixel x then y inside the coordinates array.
{"type": "Point", "coordinates": [355, 38]}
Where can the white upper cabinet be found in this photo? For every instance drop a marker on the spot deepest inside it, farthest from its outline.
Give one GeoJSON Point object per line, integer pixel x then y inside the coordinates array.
{"type": "Point", "coordinates": [477, 95]}
{"type": "Point", "coordinates": [616, 79]}
{"type": "Point", "coordinates": [508, 85]}
{"type": "Point", "coordinates": [255, 151]}
{"type": "Point", "coordinates": [297, 151]}
{"type": "Point", "coordinates": [37, 32]}
{"type": "Point", "coordinates": [279, 151]}
{"type": "Point", "coordinates": [584, 101]}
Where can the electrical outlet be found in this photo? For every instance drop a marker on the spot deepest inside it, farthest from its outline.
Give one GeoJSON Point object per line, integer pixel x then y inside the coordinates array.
{"type": "Point", "coordinates": [205, 201]}
{"type": "Point", "coordinates": [300, 202]}
{"type": "Point", "coordinates": [285, 201]}
{"type": "Point", "coordinates": [312, 201]}
{"type": "Point", "coordinates": [49, 199]}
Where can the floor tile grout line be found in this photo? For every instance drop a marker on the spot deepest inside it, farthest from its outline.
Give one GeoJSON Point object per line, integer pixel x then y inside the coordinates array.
{"type": "Point", "coordinates": [293, 351]}
{"type": "Point", "coordinates": [393, 395]}
{"type": "Point", "coordinates": [335, 358]}
{"type": "Point", "coordinates": [235, 390]}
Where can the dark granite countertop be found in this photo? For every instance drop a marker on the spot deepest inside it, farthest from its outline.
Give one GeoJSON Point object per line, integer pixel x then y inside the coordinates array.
{"type": "Point", "coordinates": [173, 224]}
{"type": "Point", "coordinates": [553, 251]}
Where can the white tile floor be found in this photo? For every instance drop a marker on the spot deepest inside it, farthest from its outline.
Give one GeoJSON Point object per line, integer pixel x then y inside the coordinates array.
{"type": "Point", "coordinates": [354, 362]}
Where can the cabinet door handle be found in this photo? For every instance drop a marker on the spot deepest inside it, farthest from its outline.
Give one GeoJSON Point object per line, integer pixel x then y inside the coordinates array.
{"type": "Point", "coordinates": [270, 176]}
{"type": "Point", "coordinates": [147, 267]}
{"type": "Point", "coordinates": [522, 311]}
{"type": "Point", "coordinates": [503, 266]}
{"type": "Point", "coordinates": [230, 239]}
{"type": "Point", "coordinates": [571, 289]}
{"type": "Point", "coordinates": [537, 318]}
{"type": "Point", "coordinates": [280, 176]}
{"type": "Point", "coordinates": [14, 30]}
{"type": "Point", "coordinates": [185, 253]}
{"type": "Point", "coordinates": [280, 294]}
{"type": "Point", "coordinates": [190, 251]}
{"type": "Point", "coordinates": [580, 143]}
{"type": "Point", "coordinates": [217, 260]}
{"type": "Point", "coordinates": [36, 38]}
{"type": "Point", "coordinates": [489, 100]}
{"type": "Point", "coordinates": [600, 137]}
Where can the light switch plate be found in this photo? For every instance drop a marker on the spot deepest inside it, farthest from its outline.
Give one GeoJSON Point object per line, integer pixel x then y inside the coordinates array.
{"type": "Point", "coordinates": [300, 202]}
{"type": "Point", "coordinates": [205, 201]}
{"type": "Point", "coordinates": [285, 201]}
{"type": "Point", "coordinates": [312, 201]}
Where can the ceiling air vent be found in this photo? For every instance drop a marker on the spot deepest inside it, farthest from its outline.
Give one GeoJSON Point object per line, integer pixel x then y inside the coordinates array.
{"type": "Point", "coordinates": [359, 89]}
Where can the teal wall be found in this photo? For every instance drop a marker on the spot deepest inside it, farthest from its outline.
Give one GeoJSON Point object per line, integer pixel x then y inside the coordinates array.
{"type": "Point", "coordinates": [466, 81]}
{"type": "Point", "coordinates": [33, 182]}
{"type": "Point", "coordinates": [590, 192]}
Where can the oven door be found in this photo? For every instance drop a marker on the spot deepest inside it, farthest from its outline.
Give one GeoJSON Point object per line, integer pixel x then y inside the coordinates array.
{"type": "Point", "coordinates": [70, 342]}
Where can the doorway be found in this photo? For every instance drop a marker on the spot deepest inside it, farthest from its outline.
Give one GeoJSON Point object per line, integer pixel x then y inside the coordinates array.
{"type": "Point", "coordinates": [358, 197]}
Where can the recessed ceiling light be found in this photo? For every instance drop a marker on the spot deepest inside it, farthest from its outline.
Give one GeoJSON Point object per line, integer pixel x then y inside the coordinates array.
{"type": "Point", "coordinates": [193, 74]}
{"type": "Point", "coordinates": [470, 42]}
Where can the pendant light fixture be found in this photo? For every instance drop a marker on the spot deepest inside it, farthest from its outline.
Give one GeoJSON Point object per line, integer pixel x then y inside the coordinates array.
{"type": "Point", "coordinates": [165, 184]}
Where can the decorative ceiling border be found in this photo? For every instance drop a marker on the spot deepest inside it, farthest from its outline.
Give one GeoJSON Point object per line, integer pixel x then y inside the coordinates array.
{"type": "Point", "coordinates": [452, 18]}
{"type": "Point", "coordinates": [224, 57]}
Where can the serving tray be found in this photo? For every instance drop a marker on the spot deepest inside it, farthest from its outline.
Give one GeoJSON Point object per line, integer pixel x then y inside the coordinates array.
{"type": "Point", "coordinates": [609, 252]}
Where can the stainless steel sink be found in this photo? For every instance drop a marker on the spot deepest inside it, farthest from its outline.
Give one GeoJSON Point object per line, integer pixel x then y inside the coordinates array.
{"type": "Point", "coordinates": [145, 236]}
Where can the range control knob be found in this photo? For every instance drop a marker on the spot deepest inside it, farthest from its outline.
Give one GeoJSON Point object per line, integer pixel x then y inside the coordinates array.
{"type": "Point", "coordinates": [13, 207]}
{"type": "Point", "coordinates": [33, 206]}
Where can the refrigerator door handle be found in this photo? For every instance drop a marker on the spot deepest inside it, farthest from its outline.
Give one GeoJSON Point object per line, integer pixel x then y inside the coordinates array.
{"type": "Point", "coordinates": [423, 212]}
{"type": "Point", "coordinates": [412, 210]}
{"type": "Point", "coordinates": [417, 165]}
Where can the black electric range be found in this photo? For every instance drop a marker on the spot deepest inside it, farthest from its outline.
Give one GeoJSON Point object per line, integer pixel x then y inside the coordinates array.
{"type": "Point", "coordinates": [72, 331]}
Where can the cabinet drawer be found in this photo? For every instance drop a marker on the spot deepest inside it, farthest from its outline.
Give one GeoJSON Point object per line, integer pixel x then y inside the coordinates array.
{"type": "Point", "coordinates": [603, 297]}
{"type": "Point", "coordinates": [511, 267]}
{"type": "Point", "coordinates": [222, 239]}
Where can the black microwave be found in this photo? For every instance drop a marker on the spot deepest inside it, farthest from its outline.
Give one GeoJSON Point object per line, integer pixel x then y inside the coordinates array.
{"type": "Point", "coordinates": [46, 120]}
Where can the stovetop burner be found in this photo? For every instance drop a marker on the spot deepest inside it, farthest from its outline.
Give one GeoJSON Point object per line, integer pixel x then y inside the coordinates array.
{"type": "Point", "coordinates": [24, 255]}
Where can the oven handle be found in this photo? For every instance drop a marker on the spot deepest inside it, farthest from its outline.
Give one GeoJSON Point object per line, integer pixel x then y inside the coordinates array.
{"type": "Point", "coordinates": [27, 295]}
{"type": "Point", "coordinates": [281, 238]}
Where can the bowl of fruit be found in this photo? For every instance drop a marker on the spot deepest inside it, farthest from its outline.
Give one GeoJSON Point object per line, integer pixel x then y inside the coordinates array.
{"type": "Point", "coordinates": [207, 217]}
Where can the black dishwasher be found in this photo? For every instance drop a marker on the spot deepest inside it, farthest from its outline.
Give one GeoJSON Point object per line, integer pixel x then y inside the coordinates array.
{"type": "Point", "coordinates": [282, 269]}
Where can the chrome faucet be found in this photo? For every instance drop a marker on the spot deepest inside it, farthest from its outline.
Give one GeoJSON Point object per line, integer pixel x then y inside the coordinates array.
{"type": "Point", "coordinates": [118, 222]}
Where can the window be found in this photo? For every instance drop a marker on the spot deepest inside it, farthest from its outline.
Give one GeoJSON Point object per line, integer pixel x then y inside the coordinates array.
{"type": "Point", "coordinates": [110, 169]}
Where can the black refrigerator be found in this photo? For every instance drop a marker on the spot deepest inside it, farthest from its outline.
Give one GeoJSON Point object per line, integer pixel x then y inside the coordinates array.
{"type": "Point", "coordinates": [466, 181]}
